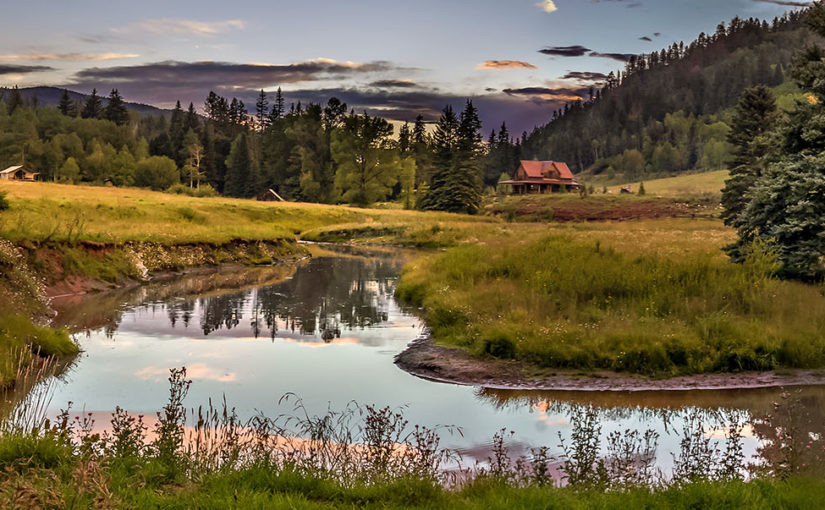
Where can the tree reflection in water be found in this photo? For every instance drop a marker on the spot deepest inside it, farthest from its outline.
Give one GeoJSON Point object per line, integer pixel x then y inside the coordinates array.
{"type": "Point", "coordinates": [325, 296]}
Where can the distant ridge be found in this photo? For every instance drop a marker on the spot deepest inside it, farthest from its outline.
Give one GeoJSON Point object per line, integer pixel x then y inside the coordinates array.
{"type": "Point", "coordinates": [50, 96]}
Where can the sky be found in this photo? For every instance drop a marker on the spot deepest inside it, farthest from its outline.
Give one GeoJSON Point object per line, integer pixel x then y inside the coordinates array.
{"type": "Point", "coordinates": [518, 60]}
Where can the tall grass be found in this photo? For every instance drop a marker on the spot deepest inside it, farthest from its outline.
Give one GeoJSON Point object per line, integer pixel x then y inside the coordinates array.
{"type": "Point", "coordinates": [562, 303]}
{"type": "Point", "coordinates": [363, 456]}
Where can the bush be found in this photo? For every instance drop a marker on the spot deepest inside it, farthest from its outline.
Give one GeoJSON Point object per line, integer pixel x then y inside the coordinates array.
{"type": "Point", "coordinates": [4, 201]}
{"type": "Point", "coordinates": [499, 346]}
{"type": "Point", "coordinates": [157, 172]}
{"type": "Point", "coordinates": [204, 191]}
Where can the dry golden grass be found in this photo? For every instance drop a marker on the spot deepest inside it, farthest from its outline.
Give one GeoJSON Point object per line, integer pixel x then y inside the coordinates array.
{"type": "Point", "coordinates": [47, 211]}
{"type": "Point", "coordinates": [683, 185]}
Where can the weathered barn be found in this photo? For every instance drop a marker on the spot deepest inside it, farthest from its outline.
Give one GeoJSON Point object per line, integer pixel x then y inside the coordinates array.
{"type": "Point", "coordinates": [18, 173]}
{"type": "Point", "coordinates": [542, 177]}
{"type": "Point", "coordinates": [270, 196]}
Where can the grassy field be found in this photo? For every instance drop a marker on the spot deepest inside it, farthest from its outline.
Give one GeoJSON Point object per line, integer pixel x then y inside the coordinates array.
{"type": "Point", "coordinates": [46, 211]}
{"type": "Point", "coordinates": [583, 301]}
{"type": "Point", "coordinates": [680, 186]}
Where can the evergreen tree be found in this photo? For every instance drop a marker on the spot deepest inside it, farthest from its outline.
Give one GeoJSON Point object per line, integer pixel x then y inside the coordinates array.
{"type": "Point", "coordinates": [239, 174]}
{"type": "Point", "coordinates": [455, 182]}
{"type": "Point", "coordinates": [754, 117]}
{"type": "Point", "coordinates": [277, 110]}
{"type": "Point", "coordinates": [15, 100]}
{"type": "Point", "coordinates": [67, 106]}
{"type": "Point", "coordinates": [115, 110]}
{"type": "Point", "coordinates": [262, 110]}
{"type": "Point", "coordinates": [93, 107]}
{"type": "Point", "coordinates": [786, 206]}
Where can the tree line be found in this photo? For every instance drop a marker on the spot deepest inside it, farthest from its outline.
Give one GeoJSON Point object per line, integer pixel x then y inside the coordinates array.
{"type": "Point", "coordinates": [324, 153]}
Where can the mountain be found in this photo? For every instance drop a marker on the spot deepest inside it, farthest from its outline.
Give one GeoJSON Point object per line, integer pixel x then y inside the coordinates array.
{"type": "Point", "coordinates": [50, 96]}
{"type": "Point", "coordinates": [667, 111]}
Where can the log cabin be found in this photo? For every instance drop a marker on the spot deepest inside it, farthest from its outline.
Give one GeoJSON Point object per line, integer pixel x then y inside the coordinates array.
{"type": "Point", "coordinates": [542, 177]}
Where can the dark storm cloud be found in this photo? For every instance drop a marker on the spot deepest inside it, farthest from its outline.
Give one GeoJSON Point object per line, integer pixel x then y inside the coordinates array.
{"type": "Point", "coordinates": [621, 57]}
{"type": "Point", "coordinates": [546, 94]}
{"type": "Point", "coordinates": [645, 38]}
{"type": "Point", "coordinates": [786, 3]}
{"type": "Point", "coordinates": [168, 80]}
{"type": "Point", "coordinates": [584, 76]}
{"type": "Point", "coordinates": [17, 69]}
{"type": "Point", "coordinates": [401, 84]}
{"type": "Point", "coordinates": [566, 51]}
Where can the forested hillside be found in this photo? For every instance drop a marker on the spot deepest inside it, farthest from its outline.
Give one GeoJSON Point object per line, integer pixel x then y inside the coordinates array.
{"type": "Point", "coordinates": [669, 111]}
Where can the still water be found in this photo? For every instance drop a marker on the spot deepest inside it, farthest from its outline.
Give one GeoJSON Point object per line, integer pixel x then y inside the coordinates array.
{"type": "Point", "coordinates": [327, 330]}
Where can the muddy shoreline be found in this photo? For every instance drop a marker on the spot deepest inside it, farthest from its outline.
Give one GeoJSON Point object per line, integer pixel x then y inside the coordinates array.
{"type": "Point", "coordinates": [423, 358]}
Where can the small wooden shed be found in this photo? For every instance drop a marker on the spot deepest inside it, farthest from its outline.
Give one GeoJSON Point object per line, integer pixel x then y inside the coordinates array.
{"type": "Point", "coordinates": [270, 196]}
{"type": "Point", "coordinates": [18, 173]}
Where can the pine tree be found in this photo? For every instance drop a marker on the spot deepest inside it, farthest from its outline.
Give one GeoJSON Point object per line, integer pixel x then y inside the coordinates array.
{"type": "Point", "coordinates": [237, 182]}
{"type": "Point", "coordinates": [115, 110]}
{"type": "Point", "coordinates": [455, 184]}
{"type": "Point", "coordinates": [15, 100]}
{"type": "Point", "coordinates": [786, 206]}
{"type": "Point", "coordinates": [262, 110]}
{"type": "Point", "coordinates": [277, 111]}
{"type": "Point", "coordinates": [67, 106]}
{"type": "Point", "coordinates": [755, 116]}
{"type": "Point", "coordinates": [93, 107]}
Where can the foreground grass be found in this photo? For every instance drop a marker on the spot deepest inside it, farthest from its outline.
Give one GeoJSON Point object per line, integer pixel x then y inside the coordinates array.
{"type": "Point", "coordinates": [132, 483]}
{"type": "Point", "coordinates": [561, 302]}
{"type": "Point", "coordinates": [56, 212]}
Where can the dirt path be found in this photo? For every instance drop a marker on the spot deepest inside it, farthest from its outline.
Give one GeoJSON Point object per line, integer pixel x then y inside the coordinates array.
{"type": "Point", "coordinates": [424, 359]}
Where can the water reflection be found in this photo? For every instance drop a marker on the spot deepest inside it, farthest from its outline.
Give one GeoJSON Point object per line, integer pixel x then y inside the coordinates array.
{"type": "Point", "coordinates": [321, 297]}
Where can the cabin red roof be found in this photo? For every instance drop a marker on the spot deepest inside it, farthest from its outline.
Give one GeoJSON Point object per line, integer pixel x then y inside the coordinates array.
{"type": "Point", "coordinates": [547, 169]}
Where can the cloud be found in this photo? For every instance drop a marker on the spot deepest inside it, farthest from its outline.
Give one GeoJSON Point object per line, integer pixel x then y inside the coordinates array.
{"type": "Point", "coordinates": [621, 57]}
{"type": "Point", "coordinates": [548, 6]}
{"type": "Point", "coordinates": [546, 94]}
{"type": "Point", "coordinates": [195, 371]}
{"type": "Point", "coordinates": [402, 84]}
{"type": "Point", "coordinates": [506, 64]}
{"type": "Point", "coordinates": [565, 51]}
{"type": "Point", "coordinates": [584, 76]}
{"type": "Point", "coordinates": [183, 26]}
{"type": "Point", "coordinates": [68, 56]}
{"type": "Point", "coordinates": [786, 3]}
{"type": "Point", "coordinates": [628, 3]}
{"type": "Point", "coordinates": [19, 69]}
{"type": "Point", "coordinates": [645, 38]}
{"type": "Point", "coordinates": [162, 82]}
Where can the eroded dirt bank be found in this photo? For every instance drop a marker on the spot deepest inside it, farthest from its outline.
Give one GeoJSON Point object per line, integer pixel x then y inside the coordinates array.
{"type": "Point", "coordinates": [423, 358]}
{"type": "Point", "coordinates": [83, 267]}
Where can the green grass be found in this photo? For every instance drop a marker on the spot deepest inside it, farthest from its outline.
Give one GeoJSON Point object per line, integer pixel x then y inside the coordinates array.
{"type": "Point", "coordinates": [680, 186]}
{"type": "Point", "coordinates": [561, 302]}
{"type": "Point", "coordinates": [54, 212]}
{"type": "Point", "coordinates": [44, 472]}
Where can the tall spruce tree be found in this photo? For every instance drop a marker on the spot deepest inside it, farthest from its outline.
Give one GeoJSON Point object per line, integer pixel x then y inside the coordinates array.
{"type": "Point", "coordinates": [93, 107]}
{"type": "Point", "coordinates": [755, 117]}
{"type": "Point", "coordinates": [262, 111]}
{"type": "Point", "coordinates": [116, 110]}
{"type": "Point", "coordinates": [239, 179]}
{"type": "Point", "coordinates": [66, 105]}
{"type": "Point", "coordinates": [786, 206]}
{"type": "Point", "coordinates": [455, 184]}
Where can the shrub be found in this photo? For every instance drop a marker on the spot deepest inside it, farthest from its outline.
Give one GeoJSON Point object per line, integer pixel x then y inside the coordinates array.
{"type": "Point", "coordinates": [499, 346]}
{"type": "Point", "coordinates": [204, 191]}
{"type": "Point", "coordinates": [157, 172]}
{"type": "Point", "coordinates": [4, 201]}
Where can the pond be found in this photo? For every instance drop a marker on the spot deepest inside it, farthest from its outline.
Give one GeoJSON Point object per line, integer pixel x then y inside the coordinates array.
{"type": "Point", "coordinates": [327, 330]}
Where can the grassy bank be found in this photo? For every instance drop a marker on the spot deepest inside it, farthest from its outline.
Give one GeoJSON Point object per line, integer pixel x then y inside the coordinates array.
{"type": "Point", "coordinates": [560, 302]}
{"type": "Point", "coordinates": [23, 343]}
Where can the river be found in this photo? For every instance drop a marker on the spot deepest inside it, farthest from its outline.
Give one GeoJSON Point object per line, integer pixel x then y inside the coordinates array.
{"type": "Point", "coordinates": [326, 330]}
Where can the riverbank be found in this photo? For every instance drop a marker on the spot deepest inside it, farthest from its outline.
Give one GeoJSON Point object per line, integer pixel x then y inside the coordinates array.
{"type": "Point", "coordinates": [425, 359]}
